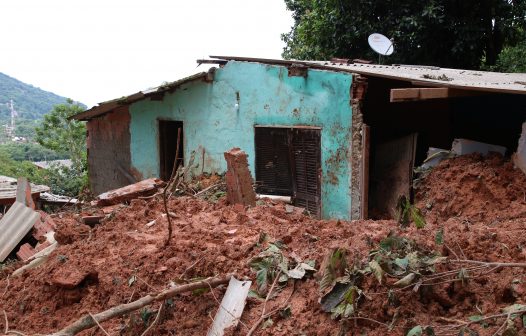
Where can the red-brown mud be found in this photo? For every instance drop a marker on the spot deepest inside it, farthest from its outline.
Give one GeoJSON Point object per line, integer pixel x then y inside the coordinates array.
{"type": "Point", "coordinates": [477, 203]}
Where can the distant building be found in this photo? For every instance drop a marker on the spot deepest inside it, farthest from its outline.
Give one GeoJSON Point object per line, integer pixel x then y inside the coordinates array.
{"type": "Point", "coordinates": [53, 164]}
{"type": "Point", "coordinates": [340, 138]}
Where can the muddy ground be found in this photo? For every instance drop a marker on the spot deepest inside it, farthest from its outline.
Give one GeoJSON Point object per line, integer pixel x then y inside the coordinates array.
{"type": "Point", "coordinates": [475, 209]}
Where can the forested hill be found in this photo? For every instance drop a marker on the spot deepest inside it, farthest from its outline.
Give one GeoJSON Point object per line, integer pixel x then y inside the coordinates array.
{"type": "Point", "coordinates": [30, 102]}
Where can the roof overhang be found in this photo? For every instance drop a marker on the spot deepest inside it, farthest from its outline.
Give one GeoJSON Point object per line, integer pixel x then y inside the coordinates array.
{"type": "Point", "coordinates": [154, 93]}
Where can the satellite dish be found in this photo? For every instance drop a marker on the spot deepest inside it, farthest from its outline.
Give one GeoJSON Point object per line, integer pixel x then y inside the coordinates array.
{"type": "Point", "coordinates": [381, 44]}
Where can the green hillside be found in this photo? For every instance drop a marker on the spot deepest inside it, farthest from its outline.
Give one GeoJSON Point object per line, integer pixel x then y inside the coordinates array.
{"type": "Point", "coordinates": [30, 102]}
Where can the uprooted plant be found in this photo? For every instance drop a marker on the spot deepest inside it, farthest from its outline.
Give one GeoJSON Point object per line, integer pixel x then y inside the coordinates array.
{"type": "Point", "coordinates": [273, 271]}
{"type": "Point", "coordinates": [400, 264]}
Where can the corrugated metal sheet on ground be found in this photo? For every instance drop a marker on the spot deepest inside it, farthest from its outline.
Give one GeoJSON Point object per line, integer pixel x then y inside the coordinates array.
{"type": "Point", "coordinates": [8, 188]}
{"type": "Point", "coordinates": [15, 224]}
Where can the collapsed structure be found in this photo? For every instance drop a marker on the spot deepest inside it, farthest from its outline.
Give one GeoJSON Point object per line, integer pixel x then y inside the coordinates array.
{"type": "Point", "coordinates": [341, 139]}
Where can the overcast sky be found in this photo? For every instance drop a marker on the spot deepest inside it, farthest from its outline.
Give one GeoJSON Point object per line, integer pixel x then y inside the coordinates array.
{"type": "Point", "coordinates": [95, 50]}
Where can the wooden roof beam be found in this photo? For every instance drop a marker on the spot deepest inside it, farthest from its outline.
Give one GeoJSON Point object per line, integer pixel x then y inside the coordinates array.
{"type": "Point", "coordinates": [416, 94]}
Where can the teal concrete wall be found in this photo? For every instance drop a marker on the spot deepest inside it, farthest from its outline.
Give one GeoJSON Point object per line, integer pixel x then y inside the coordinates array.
{"type": "Point", "coordinates": [220, 115]}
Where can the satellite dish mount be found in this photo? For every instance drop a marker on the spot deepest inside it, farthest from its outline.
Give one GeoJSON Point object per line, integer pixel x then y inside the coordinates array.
{"type": "Point", "coordinates": [381, 45]}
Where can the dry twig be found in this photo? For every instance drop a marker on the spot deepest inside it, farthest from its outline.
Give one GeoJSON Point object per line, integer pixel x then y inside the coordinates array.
{"type": "Point", "coordinates": [98, 324]}
{"type": "Point", "coordinates": [265, 315]}
{"type": "Point", "coordinates": [88, 321]}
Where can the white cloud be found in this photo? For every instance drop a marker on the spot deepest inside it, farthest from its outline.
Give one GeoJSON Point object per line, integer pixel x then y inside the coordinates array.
{"type": "Point", "coordinates": [97, 50]}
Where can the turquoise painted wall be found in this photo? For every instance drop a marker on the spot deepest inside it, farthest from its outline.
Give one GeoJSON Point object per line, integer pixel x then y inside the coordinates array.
{"type": "Point", "coordinates": [220, 115]}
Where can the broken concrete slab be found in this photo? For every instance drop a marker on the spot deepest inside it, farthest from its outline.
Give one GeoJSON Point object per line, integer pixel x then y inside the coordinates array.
{"type": "Point", "coordinates": [231, 307]}
{"type": "Point", "coordinates": [465, 146]}
{"type": "Point", "coordinates": [238, 179]}
{"type": "Point", "coordinates": [16, 223]}
{"type": "Point", "coordinates": [519, 158]}
{"type": "Point", "coordinates": [116, 196]}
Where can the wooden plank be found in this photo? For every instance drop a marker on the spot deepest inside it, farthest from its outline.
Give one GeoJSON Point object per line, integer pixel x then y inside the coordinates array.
{"type": "Point", "coordinates": [415, 94]}
{"type": "Point", "coordinates": [364, 176]}
{"type": "Point", "coordinates": [411, 94]}
{"type": "Point", "coordinates": [231, 307]}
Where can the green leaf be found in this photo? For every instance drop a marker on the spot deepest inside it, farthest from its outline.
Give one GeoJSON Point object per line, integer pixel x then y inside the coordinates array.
{"type": "Point", "coordinates": [402, 263]}
{"type": "Point", "coordinates": [475, 318]}
{"type": "Point", "coordinates": [415, 331]}
{"type": "Point", "coordinates": [514, 308]}
{"type": "Point", "coordinates": [417, 217]}
{"type": "Point", "coordinates": [254, 294]}
{"type": "Point", "coordinates": [377, 270]}
{"type": "Point", "coordinates": [439, 237]}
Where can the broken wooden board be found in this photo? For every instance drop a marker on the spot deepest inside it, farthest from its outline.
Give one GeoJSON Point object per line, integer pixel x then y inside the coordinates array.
{"type": "Point", "coordinates": [231, 307]}
{"type": "Point", "coordinates": [129, 192]}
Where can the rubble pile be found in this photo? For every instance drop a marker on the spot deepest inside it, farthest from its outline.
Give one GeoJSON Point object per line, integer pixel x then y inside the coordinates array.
{"type": "Point", "coordinates": [309, 277]}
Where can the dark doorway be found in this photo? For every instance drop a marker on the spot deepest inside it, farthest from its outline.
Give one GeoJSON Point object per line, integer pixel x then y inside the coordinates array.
{"type": "Point", "coordinates": [391, 174]}
{"type": "Point", "coordinates": [288, 163]}
{"type": "Point", "coordinates": [168, 130]}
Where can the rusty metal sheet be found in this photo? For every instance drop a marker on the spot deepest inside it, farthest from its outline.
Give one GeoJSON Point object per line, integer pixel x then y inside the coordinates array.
{"type": "Point", "coordinates": [14, 225]}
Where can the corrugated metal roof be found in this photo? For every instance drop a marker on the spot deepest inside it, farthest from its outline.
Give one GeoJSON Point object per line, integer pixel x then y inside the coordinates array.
{"type": "Point", "coordinates": [109, 105]}
{"type": "Point", "coordinates": [417, 74]}
{"type": "Point", "coordinates": [14, 225]}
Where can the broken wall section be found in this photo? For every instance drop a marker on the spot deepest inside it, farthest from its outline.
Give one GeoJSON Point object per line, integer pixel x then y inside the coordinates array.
{"type": "Point", "coordinates": [359, 151]}
{"type": "Point", "coordinates": [109, 160]}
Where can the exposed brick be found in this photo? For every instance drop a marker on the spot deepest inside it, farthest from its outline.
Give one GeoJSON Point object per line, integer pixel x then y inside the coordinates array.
{"type": "Point", "coordinates": [25, 252]}
{"type": "Point", "coordinates": [42, 226]}
{"type": "Point", "coordinates": [238, 179]}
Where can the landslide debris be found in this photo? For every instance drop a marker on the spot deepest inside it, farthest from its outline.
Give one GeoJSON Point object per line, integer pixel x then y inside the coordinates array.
{"type": "Point", "coordinates": [477, 213]}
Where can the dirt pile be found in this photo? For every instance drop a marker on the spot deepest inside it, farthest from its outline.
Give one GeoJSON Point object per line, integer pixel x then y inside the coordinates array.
{"type": "Point", "coordinates": [122, 259]}
{"type": "Point", "coordinates": [474, 188]}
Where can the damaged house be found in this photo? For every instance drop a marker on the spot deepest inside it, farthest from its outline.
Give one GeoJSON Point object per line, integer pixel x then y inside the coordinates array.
{"type": "Point", "coordinates": [342, 139]}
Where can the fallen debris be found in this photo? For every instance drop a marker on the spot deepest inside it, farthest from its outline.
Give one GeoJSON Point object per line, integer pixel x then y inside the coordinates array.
{"type": "Point", "coordinates": [231, 307]}
{"type": "Point", "coordinates": [14, 225]}
{"type": "Point", "coordinates": [519, 158]}
{"type": "Point", "coordinates": [143, 188]}
{"type": "Point", "coordinates": [89, 321]}
{"type": "Point", "coordinates": [465, 146]}
{"type": "Point", "coordinates": [461, 273]}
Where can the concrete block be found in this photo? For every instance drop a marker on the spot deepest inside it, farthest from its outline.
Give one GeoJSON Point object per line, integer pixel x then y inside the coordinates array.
{"type": "Point", "coordinates": [465, 146]}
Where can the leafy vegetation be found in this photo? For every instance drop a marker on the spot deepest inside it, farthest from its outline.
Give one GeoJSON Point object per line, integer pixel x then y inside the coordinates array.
{"type": "Point", "coordinates": [422, 30]}
{"type": "Point", "coordinates": [59, 138]}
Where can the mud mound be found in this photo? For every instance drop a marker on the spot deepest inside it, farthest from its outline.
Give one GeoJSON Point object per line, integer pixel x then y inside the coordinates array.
{"type": "Point", "coordinates": [123, 259]}
{"type": "Point", "coordinates": [473, 188]}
